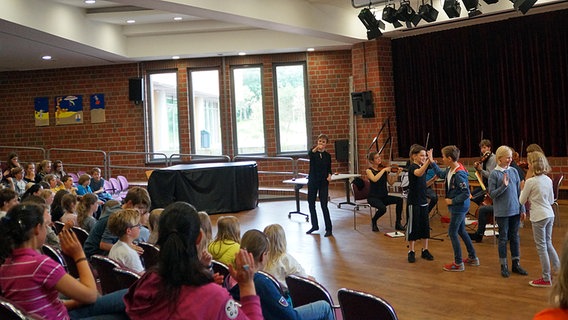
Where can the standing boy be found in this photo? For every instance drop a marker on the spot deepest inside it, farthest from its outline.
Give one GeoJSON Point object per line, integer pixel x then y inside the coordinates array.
{"type": "Point", "coordinates": [418, 225]}
{"type": "Point", "coordinates": [457, 198]}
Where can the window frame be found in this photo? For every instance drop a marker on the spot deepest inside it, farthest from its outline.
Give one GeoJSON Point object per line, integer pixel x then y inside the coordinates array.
{"type": "Point", "coordinates": [279, 151]}
{"type": "Point", "coordinates": [149, 116]}
{"type": "Point", "coordinates": [234, 109]}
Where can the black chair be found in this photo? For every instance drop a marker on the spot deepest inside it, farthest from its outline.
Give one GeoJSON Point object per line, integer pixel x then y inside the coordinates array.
{"type": "Point", "coordinates": [54, 254]}
{"type": "Point", "coordinates": [104, 267]}
{"type": "Point", "coordinates": [357, 305]}
{"type": "Point", "coordinates": [305, 291]}
{"type": "Point", "coordinates": [151, 254]}
{"type": "Point", "coordinates": [81, 234]}
{"type": "Point", "coordinates": [58, 225]}
{"type": "Point", "coordinates": [71, 266]}
{"type": "Point", "coordinates": [9, 311]}
{"type": "Point", "coordinates": [220, 267]}
{"type": "Point", "coordinates": [360, 197]}
{"type": "Point", "coordinates": [125, 277]}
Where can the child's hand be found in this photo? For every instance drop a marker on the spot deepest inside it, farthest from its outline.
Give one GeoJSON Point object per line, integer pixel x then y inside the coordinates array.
{"type": "Point", "coordinates": [218, 278]}
{"type": "Point", "coordinates": [205, 258]}
{"type": "Point", "coordinates": [430, 155]}
{"type": "Point", "coordinates": [70, 245]}
{"type": "Point", "coordinates": [448, 201]}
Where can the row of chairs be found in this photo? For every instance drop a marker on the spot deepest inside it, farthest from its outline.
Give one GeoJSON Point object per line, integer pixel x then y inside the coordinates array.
{"type": "Point", "coordinates": [353, 305]}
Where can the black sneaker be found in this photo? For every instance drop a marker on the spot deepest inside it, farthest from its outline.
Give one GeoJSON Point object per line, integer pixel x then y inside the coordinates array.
{"type": "Point", "coordinates": [426, 255]}
{"type": "Point", "coordinates": [312, 230]}
{"type": "Point", "coordinates": [411, 257]}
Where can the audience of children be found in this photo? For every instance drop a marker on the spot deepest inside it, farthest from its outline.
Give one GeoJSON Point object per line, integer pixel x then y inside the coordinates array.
{"type": "Point", "coordinates": [35, 282]}
{"type": "Point", "coordinates": [88, 205]}
{"type": "Point", "coordinates": [274, 305]}
{"type": "Point", "coordinates": [125, 224]}
{"type": "Point", "coordinates": [69, 205]}
{"type": "Point", "coordinates": [100, 239]}
{"type": "Point", "coordinates": [181, 287]}
{"type": "Point", "coordinates": [227, 241]}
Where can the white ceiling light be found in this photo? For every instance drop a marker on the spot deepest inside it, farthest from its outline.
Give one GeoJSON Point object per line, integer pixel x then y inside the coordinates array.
{"type": "Point", "coordinates": [90, 1]}
{"type": "Point", "coordinates": [311, 49]}
{"type": "Point", "coordinates": [242, 53]}
{"type": "Point", "coordinates": [131, 21]}
{"type": "Point", "coordinates": [46, 57]}
{"type": "Point", "coordinates": [175, 57]}
{"type": "Point", "coordinates": [178, 18]}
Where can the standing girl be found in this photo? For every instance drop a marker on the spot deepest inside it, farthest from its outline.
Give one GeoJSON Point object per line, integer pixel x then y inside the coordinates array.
{"type": "Point", "coordinates": [538, 190]}
{"type": "Point", "coordinates": [418, 225]}
{"type": "Point", "coordinates": [378, 194]}
{"type": "Point", "coordinates": [505, 188]}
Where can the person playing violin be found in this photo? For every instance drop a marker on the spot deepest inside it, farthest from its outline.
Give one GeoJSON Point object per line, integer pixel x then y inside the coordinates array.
{"type": "Point", "coordinates": [484, 166]}
{"type": "Point", "coordinates": [378, 194]}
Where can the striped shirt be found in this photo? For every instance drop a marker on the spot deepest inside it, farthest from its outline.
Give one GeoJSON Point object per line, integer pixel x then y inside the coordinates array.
{"type": "Point", "coordinates": [28, 278]}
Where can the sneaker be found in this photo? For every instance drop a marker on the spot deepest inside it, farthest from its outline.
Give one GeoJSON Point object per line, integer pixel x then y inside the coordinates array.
{"type": "Point", "coordinates": [472, 261]}
{"type": "Point", "coordinates": [541, 283]}
{"type": "Point", "coordinates": [426, 255]}
{"type": "Point", "coordinates": [411, 257]}
{"type": "Point", "coordinates": [454, 267]}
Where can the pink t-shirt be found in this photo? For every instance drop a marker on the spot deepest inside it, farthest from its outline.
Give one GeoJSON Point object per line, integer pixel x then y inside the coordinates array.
{"type": "Point", "coordinates": [28, 279]}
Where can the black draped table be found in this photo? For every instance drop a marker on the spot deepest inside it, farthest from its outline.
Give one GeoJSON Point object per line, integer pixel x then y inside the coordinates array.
{"type": "Point", "coordinates": [213, 187]}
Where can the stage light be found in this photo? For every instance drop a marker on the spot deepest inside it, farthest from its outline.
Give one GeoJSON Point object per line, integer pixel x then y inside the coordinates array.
{"type": "Point", "coordinates": [523, 5]}
{"type": "Point", "coordinates": [406, 13]}
{"type": "Point", "coordinates": [428, 13]}
{"type": "Point", "coordinates": [371, 24]}
{"type": "Point", "coordinates": [452, 8]}
{"type": "Point", "coordinates": [471, 6]}
{"type": "Point", "coordinates": [389, 15]}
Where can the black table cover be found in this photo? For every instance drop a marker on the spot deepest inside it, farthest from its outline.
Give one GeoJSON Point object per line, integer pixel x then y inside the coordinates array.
{"type": "Point", "coordinates": [211, 187]}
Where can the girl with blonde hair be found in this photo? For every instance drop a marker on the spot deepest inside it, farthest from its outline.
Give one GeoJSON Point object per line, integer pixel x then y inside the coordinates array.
{"type": "Point", "coordinates": [88, 205]}
{"type": "Point", "coordinates": [227, 241]}
{"type": "Point", "coordinates": [279, 263]}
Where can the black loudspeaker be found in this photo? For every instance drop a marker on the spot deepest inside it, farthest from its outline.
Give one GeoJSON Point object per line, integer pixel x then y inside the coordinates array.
{"type": "Point", "coordinates": [363, 104]}
{"type": "Point", "coordinates": [136, 90]}
{"type": "Point", "coordinates": [342, 150]}
{"type": "Point", "coordinates": [523, 5]}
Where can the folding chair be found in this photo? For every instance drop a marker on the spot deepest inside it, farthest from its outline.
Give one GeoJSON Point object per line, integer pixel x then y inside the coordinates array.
{"type": "Point", "coordinates": [151, 254]}
{"type": "Point", "coordinates": [104, 267]}
{"type": "Point", "coordinates": [305, 291]}
{"type": "Point", "coordinates": [360, 198]}
{"type": "Point", "coordinates": [556, 182]}
{"type": "Point", "coordinates": [125, 277]}
{"type": "Point", "coordinates": [357, 305]}
{"type": "Point", "coordinates": [10, 311]}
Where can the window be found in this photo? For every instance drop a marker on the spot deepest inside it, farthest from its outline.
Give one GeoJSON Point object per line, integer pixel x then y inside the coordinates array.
{"type": "Point", "coordinates": [163, 115]}
{"type": "Point", "coordinates": [206, 114]}
{"type": "Point", "coordinates": [248, 110]}
{"type": "Point", "coordinates": [292, 128]}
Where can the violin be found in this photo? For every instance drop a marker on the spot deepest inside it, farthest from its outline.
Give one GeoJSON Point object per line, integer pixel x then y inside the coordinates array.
{"type": "Point", "coordinates": [483, 158]}
{"type": "Point", "coordinates": [394, 168]}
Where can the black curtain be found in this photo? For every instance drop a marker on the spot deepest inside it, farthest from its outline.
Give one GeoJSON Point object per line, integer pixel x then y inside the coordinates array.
{"type": "Point", "coordinates": [507, 80]}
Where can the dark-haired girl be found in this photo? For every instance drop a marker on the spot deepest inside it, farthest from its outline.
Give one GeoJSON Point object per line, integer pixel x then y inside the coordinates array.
{"type": "Point", "coordinates": [34, 281]}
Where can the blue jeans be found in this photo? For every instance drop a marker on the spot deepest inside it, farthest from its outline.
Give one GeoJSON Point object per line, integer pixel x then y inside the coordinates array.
{"type": "Point", "coordinates": [509, 231]}
{"type": "Point", "coordinates": [457, 227]}
{"type": "Point", "coordinates": [319, 310]}
{"type": "Point", "coordinates": [542, 232]}
{"type": "Point", "coordinates": [110, 306]}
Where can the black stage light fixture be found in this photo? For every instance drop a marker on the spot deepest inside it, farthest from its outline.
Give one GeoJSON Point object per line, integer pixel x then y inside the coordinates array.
{"type": "Point", "coordinates": [428, 13]}
{"type": "Point", "coordinates": [472, 7]}
{"type": "Point", "coordinates": [523, 5]}
{"type": "Point", "coordinates": [389, 15]}
{"type": "Point", "coordinates": [405, 12]}
{"type": "Point", "coordinates": [452, 8]}
{"type": "Point", "coordinates": [370, 22]}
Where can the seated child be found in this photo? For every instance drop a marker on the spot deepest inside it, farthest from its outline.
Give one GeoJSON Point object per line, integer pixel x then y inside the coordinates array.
{"type": "Point", "coordinates": [125, 224]}
{"type": "Point", "coordinates": [83, 186]}
{"type": "Point", "coordinates": [227, 241]}
{"type": "Point", "coordinates": [97, 185]}
{"type": "Point", "coordinates": [69, 204]}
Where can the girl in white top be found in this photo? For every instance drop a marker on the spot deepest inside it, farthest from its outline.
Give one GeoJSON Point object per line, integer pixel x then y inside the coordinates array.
{"type": "Point", "coordinates": [279, 263]}
{"type": "Point", "coordinates": [538, 190]}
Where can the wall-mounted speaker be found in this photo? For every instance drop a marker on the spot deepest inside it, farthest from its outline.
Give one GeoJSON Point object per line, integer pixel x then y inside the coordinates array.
{"type": "Point", "coordinates": [136, 90]}
{"type": "Point", "coordinates": [342, 150]}
{"type": "Point", "coordinates": [363, 104]}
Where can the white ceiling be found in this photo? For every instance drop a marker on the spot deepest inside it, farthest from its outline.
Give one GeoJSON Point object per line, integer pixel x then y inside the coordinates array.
{"type": "Point", "coordinates": [79, 34]}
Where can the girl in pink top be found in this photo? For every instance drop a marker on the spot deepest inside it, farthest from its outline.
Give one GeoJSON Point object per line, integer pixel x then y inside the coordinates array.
{"type": "Point", "coordinates": [33, 281]}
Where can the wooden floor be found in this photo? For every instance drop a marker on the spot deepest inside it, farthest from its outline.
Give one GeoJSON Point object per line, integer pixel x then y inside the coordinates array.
{"type": "Point", "coordinates": [368, 261]}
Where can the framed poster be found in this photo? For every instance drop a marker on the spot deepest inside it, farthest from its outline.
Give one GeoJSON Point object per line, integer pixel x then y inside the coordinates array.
{"type": "Point", "coordinates": [68, 110]}
{"type": "Point", "coordinates": [41, 111]}
{"type": "Point", "coordinates": [97, 106]}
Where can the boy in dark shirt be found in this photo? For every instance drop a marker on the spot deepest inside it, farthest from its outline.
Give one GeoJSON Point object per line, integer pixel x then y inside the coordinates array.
{"type": "Point", "coordinates": [318, 182]}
